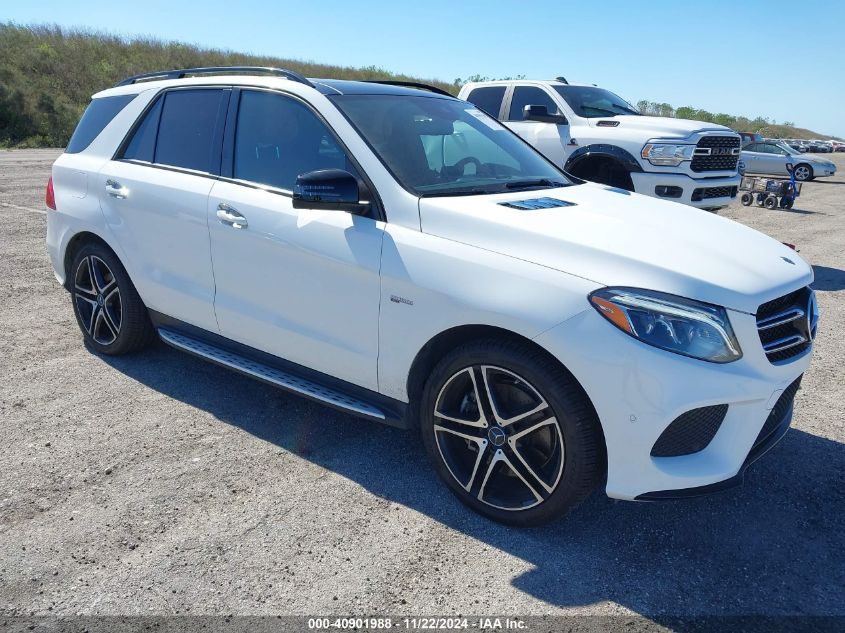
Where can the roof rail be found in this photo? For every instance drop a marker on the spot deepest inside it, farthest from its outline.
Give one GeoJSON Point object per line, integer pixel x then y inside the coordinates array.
{"type": "Point", "coordinates": [411, 84]}
{"type": "Point", "coordinates": [212, 70]}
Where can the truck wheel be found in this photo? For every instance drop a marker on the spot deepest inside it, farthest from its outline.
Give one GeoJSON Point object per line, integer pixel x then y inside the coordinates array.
{"type": "Point", "coordinates": [514, 437]}
{"type": "Point", "coordinates": [771, 202]}
{"type": "Point", "coordinates": [746, 199]}
{"type": "Point", "coordinates": [803, 172]}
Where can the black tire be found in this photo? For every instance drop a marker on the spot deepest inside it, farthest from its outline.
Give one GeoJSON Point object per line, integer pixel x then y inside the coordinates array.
{"type": "Point", "coordinates": [562, 440]}
{"type": "Point", "coordinates": [803, 172]}
{"type": "Point", "coordinates": [786, 202]}
{"type": "Point", "coordinates": [771, 202]}
{"type": "Point", "coordinates": [746, 199]}
{"type": "Point", "coordinates": [108, 310]}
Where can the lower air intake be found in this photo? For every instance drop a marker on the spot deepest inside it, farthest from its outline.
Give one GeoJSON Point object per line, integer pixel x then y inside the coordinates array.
{"type": "Point", "coordinates": [690, 432]}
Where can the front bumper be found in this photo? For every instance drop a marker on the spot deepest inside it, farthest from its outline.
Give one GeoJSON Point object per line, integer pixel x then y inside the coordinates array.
{"type": "Point", "coordinates": [638, 390]}
{"type": "Point", "coordinates": [704, 193]}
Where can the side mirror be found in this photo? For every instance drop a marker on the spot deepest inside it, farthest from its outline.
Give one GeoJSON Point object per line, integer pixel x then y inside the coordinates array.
{"type": "Point", "coordinates": [329, 189]}
{"type": "Point", "coordinates": [541, 113]}
{"type": "Point", "coordinates": [789, 167]}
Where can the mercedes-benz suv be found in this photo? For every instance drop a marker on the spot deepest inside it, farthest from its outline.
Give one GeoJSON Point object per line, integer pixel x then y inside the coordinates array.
{"type": "Point", "coordinates": [398, 254]}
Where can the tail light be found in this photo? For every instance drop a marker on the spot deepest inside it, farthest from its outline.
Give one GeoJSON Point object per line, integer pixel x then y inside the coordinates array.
{"type": "Point", "coordinates": [50, 198]}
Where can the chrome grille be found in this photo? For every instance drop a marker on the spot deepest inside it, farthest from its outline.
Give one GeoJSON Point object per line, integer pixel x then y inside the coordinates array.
{"type": "Point", "coordinates": [716, 153]}
{"type": "Point", "coordinates": [787, 325]}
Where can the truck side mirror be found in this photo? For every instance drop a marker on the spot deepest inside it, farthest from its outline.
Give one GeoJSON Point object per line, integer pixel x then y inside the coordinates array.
{"type": "Point", "coordinates": [541, 114]}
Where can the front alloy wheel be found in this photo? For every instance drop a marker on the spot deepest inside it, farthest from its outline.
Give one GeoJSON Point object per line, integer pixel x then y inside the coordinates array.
{"type": "Point", "coordinates": [803, 173]}
{"type": "Point", "coordinates": [511, 432]}
{"type": "Point", "coordinates": [498, 437]}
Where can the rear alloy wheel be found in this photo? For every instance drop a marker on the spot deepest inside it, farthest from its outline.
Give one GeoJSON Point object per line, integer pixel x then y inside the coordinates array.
{"type": "Point", "coordinates": [501, 445]}
{"type": "Point", "coordinates": [803, 173]}
{"type": "Point", "coordinates": [97, 299]}
{"type": "Point", "coordinates": [109, 311]}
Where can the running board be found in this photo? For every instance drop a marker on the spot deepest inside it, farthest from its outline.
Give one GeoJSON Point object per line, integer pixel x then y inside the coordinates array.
{"type": "Point", "coordinates": [271, 375]}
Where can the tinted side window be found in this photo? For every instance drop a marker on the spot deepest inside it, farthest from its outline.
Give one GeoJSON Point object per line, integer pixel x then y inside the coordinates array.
{"type": "Point", "coordinates": [96, 117]}
{"type": "Point", "coordinates": [529, 95]}
{"type": "Point", "coordinates": [752, 147]}
{"type": "Point", "coordinates": [186, 129]}
{"type": "Point", "coordinates": [488, 99]}
{"type": "Point", "coordinates": [278, 138]}
{"type": "Point", "coordinates": [143, 143]}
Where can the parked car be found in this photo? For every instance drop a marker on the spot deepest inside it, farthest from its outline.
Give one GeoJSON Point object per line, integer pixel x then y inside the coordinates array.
{"type": "Point", "coordinates": [772, 158]}
{"type": "Point", "coordinates": [798, 146]}
{"type": "Point", "coordinates": [750, 137]}
{"type": "Point", "coordinates": [838, 146]}
{"type": "Point", "coordinates": [399, 255]}
{"type": "Point", "coordinates": [817, 147]}
{"type": "Point", "coordinates": [596, 135]}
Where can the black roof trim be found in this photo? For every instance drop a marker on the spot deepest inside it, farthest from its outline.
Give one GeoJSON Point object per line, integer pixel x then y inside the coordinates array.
{"type": "Point", "coordinates": [411, 84]}
{"type": "Point", "coordinates": [181, 73]}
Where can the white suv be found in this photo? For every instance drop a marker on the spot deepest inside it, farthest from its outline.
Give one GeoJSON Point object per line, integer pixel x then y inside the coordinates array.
{"type": "Point", "coordinates": [399, 255]}
{"type": "Point", "coordinates": [596, 135]}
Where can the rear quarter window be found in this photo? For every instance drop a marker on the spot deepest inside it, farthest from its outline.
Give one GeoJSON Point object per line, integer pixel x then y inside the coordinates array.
{"type": "Point", "coordinates": [96, 117]}
{"type": "Point", "coordinates": [488, 99]}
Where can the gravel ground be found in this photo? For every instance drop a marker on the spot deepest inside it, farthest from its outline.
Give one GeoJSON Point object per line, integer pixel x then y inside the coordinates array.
{"type": "Point", "coordinates": [160, 484]}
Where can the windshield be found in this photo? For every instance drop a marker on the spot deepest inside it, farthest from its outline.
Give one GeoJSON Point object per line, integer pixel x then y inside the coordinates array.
{"type": "Point", "coordinates": [446, 147]}
{"type": "Point", "coordinates": [592, 103]}
{"type": "Point", "coordinates": [788, 149]}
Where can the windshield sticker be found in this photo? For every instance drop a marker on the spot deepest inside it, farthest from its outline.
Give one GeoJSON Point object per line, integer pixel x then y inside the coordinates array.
{"type": "Point", "coordinates": [486, 119]}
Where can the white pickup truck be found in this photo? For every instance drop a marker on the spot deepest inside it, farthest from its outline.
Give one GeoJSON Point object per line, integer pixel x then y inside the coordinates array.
{"type": "Point", "coordinates": [596, 135]}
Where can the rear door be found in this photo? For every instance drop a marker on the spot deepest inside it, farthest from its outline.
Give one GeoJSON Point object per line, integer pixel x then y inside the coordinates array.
{"type": "Point", "coordinates": [548, 138]}
{"type": "Point", "coordinates": [299, 284]}
{"type": "Point", "coordinates": [155, 196]}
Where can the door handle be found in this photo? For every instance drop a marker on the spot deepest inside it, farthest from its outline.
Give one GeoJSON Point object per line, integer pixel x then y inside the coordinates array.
{"type": "Point", "coordinates": [115, 189]}
{"type": "Point", "coordinates": [228, 215]}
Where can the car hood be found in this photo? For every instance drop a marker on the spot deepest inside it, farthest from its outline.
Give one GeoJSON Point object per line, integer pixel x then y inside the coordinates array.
{"type": "Point", "coordinates": [814, 160]}
{"type": "Point", "coordinates": [664, 127]}
{"type": "Point", "coordinates": [617, 238]}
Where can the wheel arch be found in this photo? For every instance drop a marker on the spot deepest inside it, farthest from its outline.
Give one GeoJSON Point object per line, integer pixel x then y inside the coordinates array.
{"type": "Point", "coordinates": [75, 244]}
{"type": "Point", "coordinates": [603, 151]}
{"type": "Point", "coordinates": [444, 342]}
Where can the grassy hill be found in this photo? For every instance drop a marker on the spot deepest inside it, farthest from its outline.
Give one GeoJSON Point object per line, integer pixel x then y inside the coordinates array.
{"type": "Point", "coordinates": [48, 74]}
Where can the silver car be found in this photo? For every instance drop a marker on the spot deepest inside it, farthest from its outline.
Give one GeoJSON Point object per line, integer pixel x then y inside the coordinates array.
{"type": "Point", "coordinates": [771, 158]}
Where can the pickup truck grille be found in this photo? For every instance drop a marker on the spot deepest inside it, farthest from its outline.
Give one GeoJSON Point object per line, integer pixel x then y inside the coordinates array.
{"type": "Point", "coordinates": [716, 153]}
{"type": "Point", "coordinates": [787, 325]}
{"type": "Point", "coordinates": [704, 193]}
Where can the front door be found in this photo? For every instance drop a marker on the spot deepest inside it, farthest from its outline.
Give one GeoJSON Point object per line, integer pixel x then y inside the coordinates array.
{"type": "Point", "coordinates": [550, 139]}
{"type": "Point", "coordinates": [302, 285]}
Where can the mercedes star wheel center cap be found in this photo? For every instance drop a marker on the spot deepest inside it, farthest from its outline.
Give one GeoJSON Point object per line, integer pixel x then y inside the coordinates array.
{"type": "Point", "coordinates": [496, 435]}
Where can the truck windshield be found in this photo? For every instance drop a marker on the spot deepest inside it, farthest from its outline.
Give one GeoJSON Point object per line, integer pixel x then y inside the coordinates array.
{"type": "Point", "coordinates": [444, 147]}
{"type": "Point", "coordinates": [592, 103]}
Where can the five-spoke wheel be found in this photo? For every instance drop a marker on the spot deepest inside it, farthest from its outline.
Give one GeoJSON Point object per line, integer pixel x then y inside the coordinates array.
{"type": "Point", "coordinates": [109, 311]}
{"type": "Point", "coordinates": [498, 437]}
{"type": "Point", "coordinates": [512, 435]}
{"type": "Point", "coordinates": [97, 298]}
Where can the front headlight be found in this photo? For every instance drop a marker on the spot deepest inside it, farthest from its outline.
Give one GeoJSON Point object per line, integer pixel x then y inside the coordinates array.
{"type": "Point", "coordinates": [672, 323]}
{"type": "Point", "coordinates": [667, 153]}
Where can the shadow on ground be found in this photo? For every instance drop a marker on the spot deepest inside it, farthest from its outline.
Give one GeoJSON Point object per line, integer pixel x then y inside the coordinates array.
{"type": "Point", "coordinates": [774, 546]}
{"type": "Point", "coordinates": [829, 279]}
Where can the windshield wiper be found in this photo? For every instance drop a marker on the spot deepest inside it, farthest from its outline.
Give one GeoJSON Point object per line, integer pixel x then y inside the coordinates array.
{"type": "Point", "coordinates": [539, 182]}
{"type": "Point", "coordinates": [625, 109]}
{"type": "Point", "coordinates": [477, 191]}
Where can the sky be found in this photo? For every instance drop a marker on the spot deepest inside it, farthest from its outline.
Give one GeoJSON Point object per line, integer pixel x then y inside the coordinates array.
{"type": "Point", "coordinates": [772, 58]}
